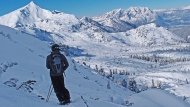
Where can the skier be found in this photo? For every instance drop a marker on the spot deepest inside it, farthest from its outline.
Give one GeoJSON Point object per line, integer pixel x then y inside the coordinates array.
{"type": "Point", "coordinates": [57, 63]}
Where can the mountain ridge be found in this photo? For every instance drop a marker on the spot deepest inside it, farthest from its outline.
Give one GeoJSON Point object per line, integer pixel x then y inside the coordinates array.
{"type": "Point", "coordinates": [55, 25]}
{"type": "Point", "coordinates": [134, 15]}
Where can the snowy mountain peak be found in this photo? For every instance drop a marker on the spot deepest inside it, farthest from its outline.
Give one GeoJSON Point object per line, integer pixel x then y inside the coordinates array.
{"type": "Point", "coordinates": [32, 4]}
{"type": "Point", "coordinates": [140, 9]}
{"type": "Point", "coordinates": [117, 11]}
{"type": "Point", "coordinates": [33, 17]}
{"type": "Point", "coordinates": [25, 15]}
{"type": "Point", "coordinates": [186, 8]}
{"type": "Point", "coordinates": [84, 18]}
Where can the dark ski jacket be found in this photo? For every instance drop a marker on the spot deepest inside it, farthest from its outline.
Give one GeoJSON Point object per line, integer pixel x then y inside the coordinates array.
{"type": "Point", "coordinates": [48, 63]}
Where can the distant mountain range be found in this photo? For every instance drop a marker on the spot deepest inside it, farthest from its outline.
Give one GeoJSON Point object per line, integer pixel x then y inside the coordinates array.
{"type": "Point", "coordinates": [136, 16]}
{"type": "Point", "coordinates": [45, 24]}
{"type": "Point", "coordinates": [175, 17]}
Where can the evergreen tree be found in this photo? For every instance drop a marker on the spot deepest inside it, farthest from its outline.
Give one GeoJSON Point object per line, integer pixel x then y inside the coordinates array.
{"type": "Point", "coordinates": [108, 85]}
{"type": "Point", "coordinates": [153, 86]}
{"type": "Point", "coordinates": [159, 84]}
{"type": "Point", "coordinates": [132, 84]}
{"type": "Point", "coordinates": [96, 68]}
{"type": "Point", "coordinates": [111, 73]}
{"type": "Point", "coordinates": [124, 83]}
{"type": "Point", "coordinates": [187, 81]}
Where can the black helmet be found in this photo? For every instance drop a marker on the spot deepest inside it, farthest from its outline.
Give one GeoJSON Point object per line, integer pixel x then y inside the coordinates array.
{"type": "Point", "coordinates": [55, 47]}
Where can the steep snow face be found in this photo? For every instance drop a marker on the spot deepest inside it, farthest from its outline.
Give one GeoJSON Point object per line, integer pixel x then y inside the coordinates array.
{"type": "Point", "coordinates": [32, 16]}
{"type": "Point", "coordinates": [134, 15]}
{"type": "Point", "coordinates": [90, 24]}
{"type": "Point", "coordinates": [115, 25]}
{"type": "Point", "coordinates": [118, 25]}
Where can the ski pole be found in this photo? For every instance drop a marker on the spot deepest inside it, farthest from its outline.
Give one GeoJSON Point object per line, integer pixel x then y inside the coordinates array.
{"type": "Point", "coordinates": [49, 93]}
{"type": "Point", "coordinates": [64, 74]}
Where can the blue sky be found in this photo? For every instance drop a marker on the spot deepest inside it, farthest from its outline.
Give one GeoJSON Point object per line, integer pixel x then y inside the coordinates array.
{"type": "Point", "coordinates": [90, 8]}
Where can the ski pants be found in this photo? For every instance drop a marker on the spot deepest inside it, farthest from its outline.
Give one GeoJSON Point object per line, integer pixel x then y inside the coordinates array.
{"type": "Point", "coordinates": [59, 88]}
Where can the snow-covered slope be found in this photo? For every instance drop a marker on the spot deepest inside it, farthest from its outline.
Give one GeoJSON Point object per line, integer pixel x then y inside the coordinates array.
{"type": "Point", "coordinates": [161, 99]}
{"type": "Point", "coordinates": [90, 24]}
{"type": "Point", "coordinates": [23, 60]}
{"type": "Point", "coordinates": [151, 34]}
{"type": "Point", "coordinates": [145, 35]}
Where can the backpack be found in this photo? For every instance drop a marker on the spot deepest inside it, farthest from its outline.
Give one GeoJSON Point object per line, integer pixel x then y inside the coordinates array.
{"type": "Point", "coordinates": [57, 63]}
